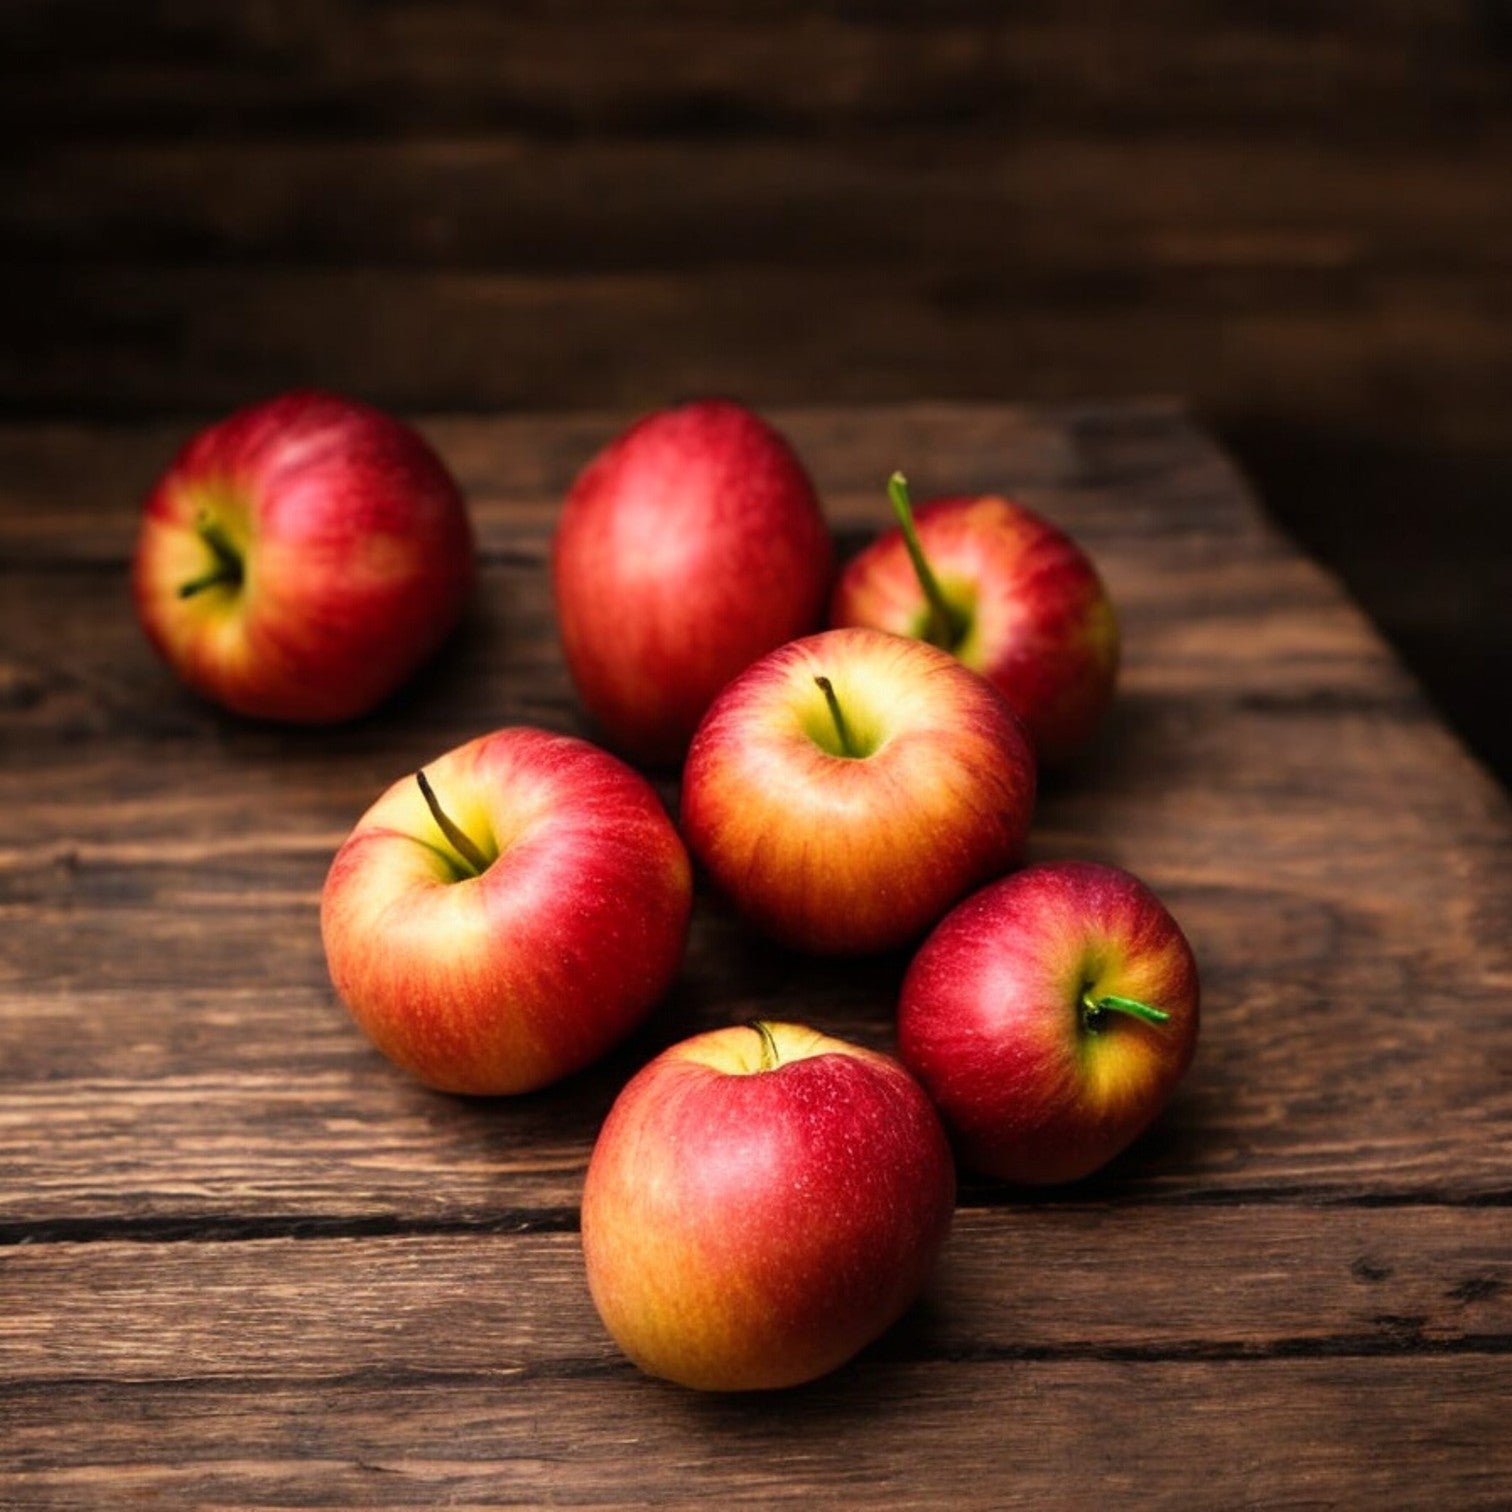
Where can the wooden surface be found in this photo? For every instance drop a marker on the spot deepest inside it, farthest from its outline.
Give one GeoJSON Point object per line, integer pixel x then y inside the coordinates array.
{"type": "Point", "coordinates": [1298, 215]}
{"type": "Point", "coordinates": [245, 1263]}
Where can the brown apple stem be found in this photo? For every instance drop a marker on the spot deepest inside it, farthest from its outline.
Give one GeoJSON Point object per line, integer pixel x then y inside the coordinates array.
{"type": "Point", "coordinates": [228, 562]}
{"type": "Point", "coordinates": [464, 847]}
{"type": "Point", "coordinates": [770, 1055]}
{"type": "Point", "coordinates": [842, 730]}
{"type": "Point", "coordinates": [1094, 1008]}
{"type": "Point", "coordinates": [946, 625]}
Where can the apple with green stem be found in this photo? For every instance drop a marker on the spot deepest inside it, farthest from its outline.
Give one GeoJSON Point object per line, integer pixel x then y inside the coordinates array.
{"type": "Point", "coordinates": [1008, 593]}
{"type": "Point", "coordinates": [301, 558]}
{"type": "Point", "coordinates": [507, 914]}
{"type": "Point", "coordinates": [690, 546]}
{"type": "Point", "coordinates": [849, 787]}
{"type": "Point", "coordinates": [1050, 1017]}
{"type": "Point", "coordinates": [762, 1202]}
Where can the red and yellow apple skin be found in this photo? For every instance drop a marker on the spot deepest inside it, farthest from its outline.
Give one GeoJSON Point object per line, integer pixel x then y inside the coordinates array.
{"type": "Point", "coordinates": [846, 854]}
{"type": "Point", "coordinates": [505, 979]}
{"type": "Point", "coordinates": [1038, 622]}
{"type": "Point", "coordinates": [762, 1202]}
{"type": "Point", "coordinates": [300, 559]}
{"type": "Point", "coordinates": [998, 1020]}
{"type": "Point", "coordinates": [687, 548]}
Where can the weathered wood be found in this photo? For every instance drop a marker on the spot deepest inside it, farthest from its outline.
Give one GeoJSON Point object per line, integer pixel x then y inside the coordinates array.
{"type": "Point", "coordinates": [1268, 769]}
{"type": "Point", "coordinates": [1033, 1281]}
{"type": "Point", "coordinates": [1297, 215]}
{"type": "Point", "coordinates": [247, 1263]}
{"type": "Point", "coordinates": [468, 65]}
{"type": "Point", "coordinates": [139, 339]}
{"type": "Point", "coordinates": [73, 658]}
{"type": "Point", "coordinates": [1375, 1432]}
{"type": "Point", "coordinates": [69, 493]}
{"type": "Point", "coordinates": [521, 204]}
{"type": "Point", "coordinates": [176, 1105]}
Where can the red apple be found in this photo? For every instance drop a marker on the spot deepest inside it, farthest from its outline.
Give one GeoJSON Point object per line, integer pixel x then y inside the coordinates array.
{"type": "Point", "coordinates": [505, 916]}
{"type": "Point", "coordinates": [1050, 1017]}
{"type": "Point", "coordinates": [687, 548]}
{"type": "Point", "coordinates": [849, 787]}
{"type": "Point", "coordinates": [300, 559]}
{"type": "Point", "coordinates": [1013, 597]}
{"type": "Point", "coordinates": [761, 1203]}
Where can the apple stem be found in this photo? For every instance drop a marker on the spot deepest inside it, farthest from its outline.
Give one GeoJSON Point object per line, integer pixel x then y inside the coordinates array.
{"type": "Point", "coordinates": [228, 562]}
{"type": "Point", "coordinates": [464, 847]}
{"type": "Point", "coordinates": [1093, 1009]}
{"type": "Point", "coordinates": [946, 624]}
{"type": "Point", "coordinates": [842, 730]}
{"type": "Point", "coordinates": [770, 1055]}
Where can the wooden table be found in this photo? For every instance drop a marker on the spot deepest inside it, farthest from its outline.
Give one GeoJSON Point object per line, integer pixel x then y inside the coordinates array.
{"type": "Point", "coordinates": [247, 1263]}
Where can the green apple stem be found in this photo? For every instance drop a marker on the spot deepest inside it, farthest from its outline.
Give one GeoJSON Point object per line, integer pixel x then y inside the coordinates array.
{"type": "Point", "coordinates": [842, 730]}
{"type": "Point", "coordinates": [946, 624]}
{"type": "Point", "coordinates": [471, 856]}
{"type": "Point", "coordinates": [770, 1055]}
{"type": "Point", "coordinates": [228, 562]}
{"type": "Point", "coordinates": [1093, 1009]}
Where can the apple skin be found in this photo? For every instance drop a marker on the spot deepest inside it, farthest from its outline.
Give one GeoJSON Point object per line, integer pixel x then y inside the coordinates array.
{"type": "Point", "coordinates": [991, 1020]}
{"type": "Point", "coordinates": [749, 1228]}
{"type": "Point", "coordinates": [1042, 628]}
{"type": "Point", "coordinates": [687, 548]}
{"type": "Point", "coordinates": [506, 981]}
{"type": "Point", "coordinates": [844, 855]}
{"type": "Point", "coordinates": [356, 555]}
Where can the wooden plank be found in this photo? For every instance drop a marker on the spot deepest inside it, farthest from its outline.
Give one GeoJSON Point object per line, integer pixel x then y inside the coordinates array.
{"type": "Point", "coordinates": [1149, 506]}
{"type": "Point", "coordinates": [74, 659]}
{"type": "Point", "coordinates": [738, 69]}
{"type": "Point", "coordinates": [139, 339]}
{"type": "Point", "coordinates": [185, 1105]}
{"type": "Point", "coordinates": [70, 492]}
{"type": "Point", "coordinates": [99, 837]}
{"type": "Point", "coordinates": [1011, 207]}
{"type": "Point", "coordinates": [1369, 1431]}
{"type": "Point", "coordinates": [1032, 1281]}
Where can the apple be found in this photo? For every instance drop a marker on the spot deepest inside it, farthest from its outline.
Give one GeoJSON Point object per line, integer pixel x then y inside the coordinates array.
{"type": "Point", "coordinates": [300, 559]}
{"type": "Point", "coordinates": [1013, 597]}
{"type": "Point", "coordinates": [851, 786]}
{"type": "Point", "coordinates": [762, 1202]}
{"type": "Point", "coordinates": [1050, 1017]}
{"type": "Point", "coordinates": [506, 915]}
{"type": "Point", "coordinates": [687, 548]}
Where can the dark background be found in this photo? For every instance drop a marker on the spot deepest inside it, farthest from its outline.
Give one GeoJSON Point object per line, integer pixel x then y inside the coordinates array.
{"type": "Point", "coordinates": [1298, 216]}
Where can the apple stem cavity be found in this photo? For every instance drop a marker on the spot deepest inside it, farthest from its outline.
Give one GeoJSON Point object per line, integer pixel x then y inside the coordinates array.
{"type": "Point", "coordinates": [770, 1055]}
{"type": "Point", "coordinates": [947, 625]}
{"type": "Point", "coordinates": [1095, 1010]}
{"type": "Point", "coordinates": [228, 563]}
{"type": "Point", "coordinates": [848, 746]}
{"type": "Point", "coordinates": [472, 858]}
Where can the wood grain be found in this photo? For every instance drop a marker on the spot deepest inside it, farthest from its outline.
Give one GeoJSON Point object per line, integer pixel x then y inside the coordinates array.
{"type": "Point", "coordinates": [1290, 217]}
{"type": "Point", "coordinates": [246, 1263]}
{"type": "Point", "coordinates": [1297, 215]}
{"type": "Point", "coordinates": [145, 338]}
{"type": "Point", "coordinates": [1261, 722]}
{"type": "Point", "coordinates": [526, 204]}
{"type": "Point", "coordinates": [1030, 1434]}
{"type": "Point", "coordinates": [1049, 1280]}
{"type": "Point", "coordinates": [779, 67]}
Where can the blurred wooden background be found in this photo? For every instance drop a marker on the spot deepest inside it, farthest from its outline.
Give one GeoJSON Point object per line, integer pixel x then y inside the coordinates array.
{"type": "Point", "coordinates": [1297, 215]}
